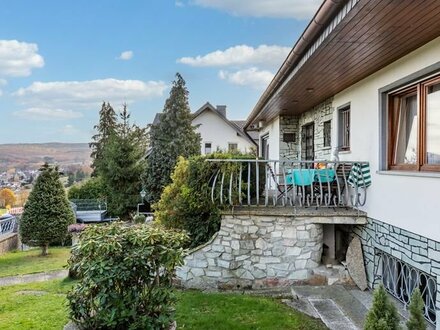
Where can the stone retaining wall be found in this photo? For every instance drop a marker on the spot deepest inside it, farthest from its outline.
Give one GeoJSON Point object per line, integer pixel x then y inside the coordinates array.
{"type": "Point", "coordinates": [254, 252]}
{"type": "Point", "coordinates": [8, 242]}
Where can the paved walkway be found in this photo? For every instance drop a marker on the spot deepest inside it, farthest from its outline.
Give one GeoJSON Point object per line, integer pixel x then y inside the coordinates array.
{"type": "Point", "coordinates": [28, 278]}
{"type": "Point", "coordinates": [339, 307]}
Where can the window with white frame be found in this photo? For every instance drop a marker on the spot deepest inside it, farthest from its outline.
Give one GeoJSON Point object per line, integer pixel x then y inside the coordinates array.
{"type": "Point", "coordinates": [208, 147]}
{"type": "Point", "coordinates": [232, 147]}
{"type": "Point", "coordinates": [344, 128]}
{"type": "Point", "coordinates": [327, 134]}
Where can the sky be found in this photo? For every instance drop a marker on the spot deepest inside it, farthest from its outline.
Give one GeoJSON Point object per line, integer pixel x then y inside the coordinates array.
{"type": "Point", "coordinates": [59, 60]}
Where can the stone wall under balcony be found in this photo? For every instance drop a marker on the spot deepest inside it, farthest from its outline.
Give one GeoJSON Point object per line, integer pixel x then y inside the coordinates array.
{"type": "Point", "coordinates": [265, 247]}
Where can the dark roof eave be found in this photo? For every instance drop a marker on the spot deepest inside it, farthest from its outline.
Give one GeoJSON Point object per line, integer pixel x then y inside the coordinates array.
{"type": "Point", "coordinates": [324, 14]}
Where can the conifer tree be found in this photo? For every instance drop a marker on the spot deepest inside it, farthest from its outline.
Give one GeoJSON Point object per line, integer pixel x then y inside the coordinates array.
{"type": "Point", "coordinates": [172, 137]}
{"type": "Point", "coordinates": [383, 314]}
{"type": "Point", "coordinates": [105, 128]}
{"type": "Point", "coordinates": [47, 212]}
{"type": "Point", "coordinates": [416, 320]}
{"type": "Point", "coordinates": [123, 165]}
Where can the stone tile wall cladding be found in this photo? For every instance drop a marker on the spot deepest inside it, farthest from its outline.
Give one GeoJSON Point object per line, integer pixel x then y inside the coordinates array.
{"type": "Point", "coordinates": [417, 251]}
{"type": "Point", "coordinates": [292, 124]}
{"type": "Point", "coordinates": [254, 252]}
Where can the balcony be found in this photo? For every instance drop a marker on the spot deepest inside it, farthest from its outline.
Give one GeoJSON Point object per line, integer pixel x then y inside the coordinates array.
{"type": "Point", "coordinates": [310, 187]}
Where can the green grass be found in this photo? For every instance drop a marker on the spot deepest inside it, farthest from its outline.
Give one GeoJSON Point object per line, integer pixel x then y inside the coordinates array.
{"type": "Point", "coordinates": [39, 306]}
{"type": "Point", "coordinates": [2, 211]}
{"type": "Point", "coordinates": [43, 306]}
{"type": "Point", "coordinates": [28, 262]}
{"type": "Point", "coordinates": [221, 311]}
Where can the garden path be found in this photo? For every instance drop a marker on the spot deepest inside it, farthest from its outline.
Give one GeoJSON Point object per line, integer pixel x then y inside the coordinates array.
{"type": "Point", "coordinates": [37, 277]}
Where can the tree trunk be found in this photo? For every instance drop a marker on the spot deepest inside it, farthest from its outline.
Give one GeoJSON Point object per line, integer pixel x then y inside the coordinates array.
{"type": "Point", "coordinates": [45, 249]}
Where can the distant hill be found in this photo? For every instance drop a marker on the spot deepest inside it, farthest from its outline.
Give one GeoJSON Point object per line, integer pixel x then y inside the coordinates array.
{"type": "Point", "coordinates": [28, 156]}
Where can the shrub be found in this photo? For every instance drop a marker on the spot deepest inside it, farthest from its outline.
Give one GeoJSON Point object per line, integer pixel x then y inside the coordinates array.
{"type": "Point", "coordinates": [47, 212]}
{"type": "Point", "coordinates": [139, 219]}
{"type": "Point", "coordinates": [125, 277]}
{"type": "Point", "coordinates": [416, 320]}
{"type": "Point", "coordinates": [91, 189]}
{"type": "Point", "coordinates": [383, 314]}
{"type": "Point", "coordinates": [186, 202]}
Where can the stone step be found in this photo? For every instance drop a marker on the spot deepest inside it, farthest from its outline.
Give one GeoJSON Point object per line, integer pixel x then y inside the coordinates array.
{"type": "Point", "coordinates": [332, 315]}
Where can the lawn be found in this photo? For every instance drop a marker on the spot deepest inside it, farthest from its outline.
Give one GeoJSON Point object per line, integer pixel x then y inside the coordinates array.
{"type": "Point", "coordinates": [43, 306]}
{"type": "Point", "coordinates": [27, 262]}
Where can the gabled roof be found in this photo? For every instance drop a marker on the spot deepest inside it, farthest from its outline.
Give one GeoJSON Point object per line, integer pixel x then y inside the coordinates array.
{"type": "Point", "coordinates": [237, 125]}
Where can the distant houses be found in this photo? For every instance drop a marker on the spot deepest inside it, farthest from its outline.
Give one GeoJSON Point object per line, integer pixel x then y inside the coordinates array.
{"type": "Point", "coordinates": [218, 133]}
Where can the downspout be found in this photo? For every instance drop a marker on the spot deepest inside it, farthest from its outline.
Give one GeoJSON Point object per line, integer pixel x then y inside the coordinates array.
{"type": "Point", "coordinates": [327, 10]}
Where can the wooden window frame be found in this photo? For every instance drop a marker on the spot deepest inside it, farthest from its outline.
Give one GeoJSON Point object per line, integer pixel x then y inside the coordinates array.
{"type": "Point", "coordinates": [421, 90]}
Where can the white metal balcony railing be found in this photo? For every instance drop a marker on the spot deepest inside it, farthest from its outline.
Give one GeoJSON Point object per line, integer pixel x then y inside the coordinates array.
{"type": "Point", "coordinates": [256, 182]}
{"type": "Point", "coordinates": [7, 224]}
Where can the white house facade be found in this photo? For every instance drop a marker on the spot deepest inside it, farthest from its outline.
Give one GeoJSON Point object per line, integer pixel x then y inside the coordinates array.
{"type": "Point", "coordinates": [389, 117]}
{"type": "Point", "coordinates": [218, 133]}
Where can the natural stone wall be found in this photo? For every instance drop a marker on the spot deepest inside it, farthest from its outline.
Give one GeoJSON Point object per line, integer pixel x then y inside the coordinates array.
{"type": "Point", "coordinates": [254, 252]}
{"type": "Point", "coordinates": [290, 150]}
{"type": "Point", "coordinates": [416, 250]}
{"type": "Point", "coordinates": [8, 243]}
{"type": "Point", "coordinates": [293, 124]}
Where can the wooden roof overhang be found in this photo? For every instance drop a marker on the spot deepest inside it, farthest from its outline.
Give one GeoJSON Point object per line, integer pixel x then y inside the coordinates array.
{"type": "Point", "coordinates": [371, 35]}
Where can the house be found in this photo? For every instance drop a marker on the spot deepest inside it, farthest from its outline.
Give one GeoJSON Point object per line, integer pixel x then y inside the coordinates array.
{"type": "Point", "coordinates": [220, 133]}
{"type": "Point", "coordinates": [360, 89]}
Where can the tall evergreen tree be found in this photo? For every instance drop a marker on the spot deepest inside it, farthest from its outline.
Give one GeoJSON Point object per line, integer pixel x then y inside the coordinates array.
{"type": "Point", "coordinates": [105, 128]}
{"type": "Point", "coordinates": [123, 164]}
{"type": "Point", "coordinates": [172, 137]}
{"type": "Point", "coordinates": [47, 212]}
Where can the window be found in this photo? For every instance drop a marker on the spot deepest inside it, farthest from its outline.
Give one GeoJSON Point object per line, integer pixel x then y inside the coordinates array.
{"type": "Point", "coordinates": [232, 147]}
{"type": "Point", "coordinates": [400, 279]}
{"type": "Point", "coordinates": [265, 146]}
{"type": "Point", "coordinates": [344, 128]}
{"type": "Point", "coordinates": [414, 127]}
{"type": "Point", "coordinates": [208, 148]}
{"type": "Point", "coordinates": [328, 133]}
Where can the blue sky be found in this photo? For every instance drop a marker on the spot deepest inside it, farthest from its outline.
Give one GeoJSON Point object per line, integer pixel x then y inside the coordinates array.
{"type": "Point", "coordinates": [60, 59]}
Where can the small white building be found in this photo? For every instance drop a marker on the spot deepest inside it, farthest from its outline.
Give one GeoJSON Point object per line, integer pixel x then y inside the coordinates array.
{"type": "Point", "coordinates": [218, 133]}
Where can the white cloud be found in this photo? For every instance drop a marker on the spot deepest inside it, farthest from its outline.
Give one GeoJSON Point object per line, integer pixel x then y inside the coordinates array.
{"type": "Point", "coordinates": [17, 59]}
{"type": "Point", "coordinates": [47, 114]}
{"type": "Point", "coordinates": [253, 77]}
{"type": "Point", "coordinates": [87, 94]}
{"type": "Point", "coordinates": [179, 3]}
{"type": "Point", "coordinates": [127, 55]}
{"type": "Point", "coordinates": [269, 56]}
{"type": "Point", "coordinates": [3, 82]}
{"type": "Point", "coordinates": [297, 9]}
{"type": "Point", "coordinates": [69, 130]}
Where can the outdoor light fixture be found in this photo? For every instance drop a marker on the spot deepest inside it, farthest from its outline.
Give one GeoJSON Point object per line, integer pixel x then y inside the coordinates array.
{"type": "Point", "coordinates": [143, 194]}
